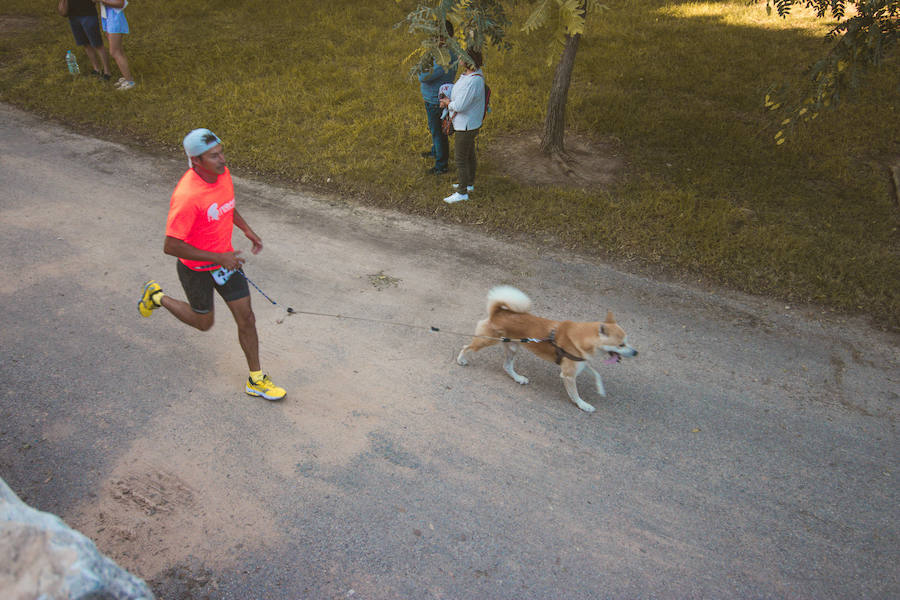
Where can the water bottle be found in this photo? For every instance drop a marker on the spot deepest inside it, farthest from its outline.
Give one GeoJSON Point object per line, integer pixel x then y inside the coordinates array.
{"type": "Point", "coordinates": [71, 63]}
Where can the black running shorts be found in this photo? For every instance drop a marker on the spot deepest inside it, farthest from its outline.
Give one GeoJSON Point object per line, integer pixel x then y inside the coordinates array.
{"type": "Point", "coordinates": [198, 287]}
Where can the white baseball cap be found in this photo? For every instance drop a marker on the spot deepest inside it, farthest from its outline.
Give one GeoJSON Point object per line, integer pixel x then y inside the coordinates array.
{"type": "Point", "coordinates": [199, 141]}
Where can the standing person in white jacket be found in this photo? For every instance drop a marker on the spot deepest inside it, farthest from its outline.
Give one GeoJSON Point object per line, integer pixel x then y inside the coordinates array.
{"type": "Point", "coordinates": [466, 106]}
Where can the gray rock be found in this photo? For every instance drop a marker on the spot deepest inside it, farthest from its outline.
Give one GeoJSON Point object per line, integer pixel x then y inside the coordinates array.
{"type": "Point", "coordinates": [41, 558]}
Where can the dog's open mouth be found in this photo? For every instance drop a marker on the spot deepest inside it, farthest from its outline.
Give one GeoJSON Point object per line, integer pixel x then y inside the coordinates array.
{"type": "Point", "coordinates": [614, 357]}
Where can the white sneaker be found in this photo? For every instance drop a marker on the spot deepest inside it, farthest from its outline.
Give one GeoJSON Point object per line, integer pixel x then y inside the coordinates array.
{"type": "Point", "coordinates": [125, 85]}
{"type": "Point", "coordinates": [456, 197]}
{"type": "Point", "coordinates": [469, 188]}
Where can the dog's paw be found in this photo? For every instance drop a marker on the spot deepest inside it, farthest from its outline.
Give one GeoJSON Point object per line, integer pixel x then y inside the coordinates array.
{"type": "Point", "coordinates": [586, 407]}
{"type": "Point", "coordinates": [520, 379]}
{"type": "Point", "coordinates": [461, 360]}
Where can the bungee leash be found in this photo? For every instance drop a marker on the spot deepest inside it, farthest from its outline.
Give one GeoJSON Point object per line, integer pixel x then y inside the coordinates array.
{"type": "Point", "coordinates": [241, 271]}
{"type": "Point", "coordinates": [432, 328]}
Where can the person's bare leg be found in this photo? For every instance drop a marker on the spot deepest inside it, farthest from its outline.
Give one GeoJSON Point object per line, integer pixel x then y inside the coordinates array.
{"type": "Point", "coordinates": [118, 54]}
{"type": "Point", "coordinates": [182, 311]}
{"type": "Point", "coordinates": [247, 336]}
{"type": "Point", "coordinates": [104, 58]}
{"type": "Point", "coordinates": [93, 57]}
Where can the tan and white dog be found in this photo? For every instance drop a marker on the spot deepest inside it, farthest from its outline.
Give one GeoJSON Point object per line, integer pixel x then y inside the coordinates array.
{"type": "Point", "coordinates": [567, 343]}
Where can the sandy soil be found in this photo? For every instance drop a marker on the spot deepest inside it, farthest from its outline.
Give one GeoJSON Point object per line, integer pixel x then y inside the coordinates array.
{"type": "Point", "coordinates": [587, 162]}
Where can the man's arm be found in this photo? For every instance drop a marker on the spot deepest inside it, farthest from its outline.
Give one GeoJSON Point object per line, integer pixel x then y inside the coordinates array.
{"type": "Point", "coordinates": [181, 249]}
{"type": "Point", "coordinates": [241, 224]}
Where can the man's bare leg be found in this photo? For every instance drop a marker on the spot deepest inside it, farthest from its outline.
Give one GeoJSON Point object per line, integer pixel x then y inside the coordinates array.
{"type": "Point", "coordinates": [184, 313]}
{"type": "Point", "coordinates": [247, 336]}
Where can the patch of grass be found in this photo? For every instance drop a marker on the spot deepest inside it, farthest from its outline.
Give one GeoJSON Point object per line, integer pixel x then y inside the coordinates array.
{"type": "Point", "coordinates": [313, 93]}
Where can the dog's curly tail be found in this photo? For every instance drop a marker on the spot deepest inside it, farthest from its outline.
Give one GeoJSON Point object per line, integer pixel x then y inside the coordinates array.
{"type": "Point", "coordinates": [509, 298]}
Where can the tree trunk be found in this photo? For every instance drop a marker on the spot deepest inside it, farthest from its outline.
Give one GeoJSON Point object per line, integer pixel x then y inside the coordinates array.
{"type": "Point", "coordinates": [553, 140]}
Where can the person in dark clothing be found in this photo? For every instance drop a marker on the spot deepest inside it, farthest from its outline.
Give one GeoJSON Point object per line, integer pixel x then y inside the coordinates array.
{"type": "Point", "coordinates": [430, 83]}
{"type": "Point", "coordinates": [86, 29]}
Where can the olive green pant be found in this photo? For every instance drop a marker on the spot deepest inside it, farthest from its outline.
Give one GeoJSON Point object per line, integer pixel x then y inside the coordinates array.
{"type": "Point", "coordinates": [464, 148]}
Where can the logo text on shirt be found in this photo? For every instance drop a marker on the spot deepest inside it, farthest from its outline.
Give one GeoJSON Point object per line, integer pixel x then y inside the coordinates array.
{"type": "Point", "coordinates": [215, 211]}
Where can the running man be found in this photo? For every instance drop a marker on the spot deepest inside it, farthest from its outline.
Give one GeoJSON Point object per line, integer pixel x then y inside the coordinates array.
{"type": "Point", "coordinates": [202, 215]}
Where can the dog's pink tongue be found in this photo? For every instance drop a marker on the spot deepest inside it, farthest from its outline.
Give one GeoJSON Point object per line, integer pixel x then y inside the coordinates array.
{"type": "Point", "coordinates": [613, 359]}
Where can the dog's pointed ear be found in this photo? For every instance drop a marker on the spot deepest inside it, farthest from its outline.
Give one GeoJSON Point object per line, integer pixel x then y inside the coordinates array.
{"type": "Point", "coordinates": [609, 318]}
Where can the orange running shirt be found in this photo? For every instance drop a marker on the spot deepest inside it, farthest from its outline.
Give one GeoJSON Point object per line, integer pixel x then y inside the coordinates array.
{"type": "Point", "coordinates": [202, 214]}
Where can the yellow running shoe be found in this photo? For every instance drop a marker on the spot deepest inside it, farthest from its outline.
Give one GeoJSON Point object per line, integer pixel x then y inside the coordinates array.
{"type": "Point", "coordinates": [146, 305]}
{"type": "Point", "coordinates": [265, 388]}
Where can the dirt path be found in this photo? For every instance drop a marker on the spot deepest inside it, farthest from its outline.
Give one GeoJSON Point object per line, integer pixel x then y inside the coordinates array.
{"type": "Point", "coordinates": [750, 451]}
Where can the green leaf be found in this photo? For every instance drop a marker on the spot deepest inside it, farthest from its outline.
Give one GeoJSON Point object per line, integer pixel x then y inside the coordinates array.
{"type": "Point", "coordinates": [538, 17]}
{"type": "Point", "coordinates": [443, 55]}
{"type": "Point", "coordinates": [571, 16]}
